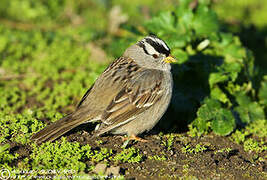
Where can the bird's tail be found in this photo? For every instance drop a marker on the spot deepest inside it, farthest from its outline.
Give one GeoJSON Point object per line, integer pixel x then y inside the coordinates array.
{"type": "Point", "coordinates": [56, 129]}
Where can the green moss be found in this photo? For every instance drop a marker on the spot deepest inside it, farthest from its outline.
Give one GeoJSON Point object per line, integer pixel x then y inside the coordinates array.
{"type": "Point", "coordinates": [5, 157]}
{"type": "Point", "coordinates": [99, 142]}
{"type": "Point", "coordinates": [168, 143]}
{"type": "Point", "coordinates": [227, 150]}
{"type": "Point", "coordinates": [158, 158]}
{"type": "Point", "coordinates": [257, 129]}
{"type": "Point", "coordinates": [130, 155]}
{"type": "Point", "coordinates": [253, 145]}
{"type": "Point", "coordinates": [185, 168]}
{"type": "Point", "coordinates": [99, 155]}
{"type": "Point", "coordinates": [239, 136]}
{"type": "Point", "coordinates": [196, 149]}
{"type": "Point", "coordinates": [59, 155]}
{"type": "Point", "coordinates": [18, 127]}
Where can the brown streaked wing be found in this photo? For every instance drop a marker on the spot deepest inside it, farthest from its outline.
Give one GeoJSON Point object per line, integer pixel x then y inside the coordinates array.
{"type": "Point", "coordinates": [139, 95]}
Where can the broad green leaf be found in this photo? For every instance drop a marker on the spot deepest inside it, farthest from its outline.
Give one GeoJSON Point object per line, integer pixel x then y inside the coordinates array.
{"type": "Point", "coordinates": [242, 99]}
{"type": "Point", "coordinates": [217, 93]}
{"type": "Point", "coordinates": [248, 111]}
{"type": "Point", "coordinates": [263, 92]}
{"type": "Point", "coordinates": [205, 113]}
{"type": "Point", "coordinates": [201, 124]}
{"type": "Point", "coordinates": [226, 39]}
{"type": "Point", "coordinates": [216, 78]}
{"type": "Point", "coordinates": [235, 51]}
{"type": "Point", "coordinates": [205, 21]}
{"type": "Point", "coordinates": [180, 55]}
{"type": "Point", "coordinates": [161, 24]}
{"type": "Point", "coordinates": [223, 122]}
{"type": "Point", "coordinates": [185, 16]}
{"type": "Point", "coordinates": [212, 103]}
{"type": "Point", "coordinates": [175, 40]}
{"type": "Point", "coordinates": [232, 69]}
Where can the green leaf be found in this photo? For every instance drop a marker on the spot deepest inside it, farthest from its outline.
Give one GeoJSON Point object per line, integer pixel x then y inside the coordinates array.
{"type": "Point", "coordinates": [226, 39]}
{"type": "Point", "coordinates": [212, 103]}
{"type": "Point", "coordinates": [185, 16]}
{"type": "Point", "coordinates": [211, 114]}
{"type": "Point", "coordinates": [248, 111]}
{"type": "Point", "coordinates": [235, 51]}
{"type": "Point", "coordinates": [263, 92]}
{"type": "Point", "coordinates": [4, 148]}
{"type": "Point", "coordinates": [223, 122]}
{"type": "Point", "coordinates": [216, 78]}
{"type": "Point", "coordinates": [242, 99]}
{"type": "Point", "coordinates": [232, 69]}
{"type": "Point", "coordinates": [180, 55]}
{"type": "Point", "coordinates": [205, 113]}
{"type": "Point", "coordinates": [175, 40]}
{"type": "Point", "coordinates": [161, 24]}
{"type": "Point", "coordinates": [205, 21]}
{"type": "Point", "coordinates": [201, 124]}
{"type": "Point", "coordinates": [217, 93]}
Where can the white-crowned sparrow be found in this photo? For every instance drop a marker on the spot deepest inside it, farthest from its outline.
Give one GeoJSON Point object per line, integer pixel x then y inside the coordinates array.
{"type": "Point", "coordinates": [129, 97]}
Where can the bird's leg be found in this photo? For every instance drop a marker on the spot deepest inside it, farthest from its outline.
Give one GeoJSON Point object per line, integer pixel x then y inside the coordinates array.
{"type": "Point", "coordinates": [136, 138]}
{"type": "Point", "coordinates": [132, 137]}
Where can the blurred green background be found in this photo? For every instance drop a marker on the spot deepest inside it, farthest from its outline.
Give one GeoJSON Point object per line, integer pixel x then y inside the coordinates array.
{"type": "Point", "coordinates": [51, 52]}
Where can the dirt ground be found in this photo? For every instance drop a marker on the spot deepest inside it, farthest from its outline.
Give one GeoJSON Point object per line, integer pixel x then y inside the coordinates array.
{"type": "Point", "coordinates": [235, 164]}
{"type": "Point", "coordinates": [215, 162]}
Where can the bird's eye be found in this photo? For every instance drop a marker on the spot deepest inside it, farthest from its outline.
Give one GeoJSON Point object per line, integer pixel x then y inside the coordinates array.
{"type": "Point", "coordinates": [155, 56]}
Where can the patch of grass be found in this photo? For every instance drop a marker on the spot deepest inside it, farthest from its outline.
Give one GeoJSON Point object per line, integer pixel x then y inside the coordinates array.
{"type": "Point", "coordinates": [99, 142]}
{"type": "Point", "coordinates": [168, 143]}
{"type": "Point", "coordinates": [253, 145]}
{"type": "Point", "coordinates": [193, 131]}
{"type": "Point", "coordinates": [185, 168]}
{"type": "Point", "coordinates": [257, 129]}
{"type": "Point", "coordinates": [223, 150]}
{"type": "Point", "coordinates": [59, 155]}
{"type": "Point", "coordinates": [239, 136]}
{"type": "Point", "coordinates": [18, 127]}
{"type": "Point", "coordinates": [194, 150]}
{"type": "Point", "coordinates": [5, 157]}
{"type": "Point", "coordinates": [157, 158]}
{"type": "Point", "coordinates": [99, 155]}
{"type": "Point", "coordinates": [129, 155]}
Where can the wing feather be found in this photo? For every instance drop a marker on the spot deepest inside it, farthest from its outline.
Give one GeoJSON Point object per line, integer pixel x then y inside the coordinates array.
{"type": "Point", "coordinates": [139, 95]}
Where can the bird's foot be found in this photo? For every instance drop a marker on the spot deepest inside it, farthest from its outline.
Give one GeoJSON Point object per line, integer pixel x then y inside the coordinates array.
{"type": "Point", "coordinates": [132, 137]}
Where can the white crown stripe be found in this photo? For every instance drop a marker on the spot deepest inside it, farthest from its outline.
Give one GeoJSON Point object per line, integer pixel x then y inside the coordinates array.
{"type": "Point", "coordinates": [150, 49]}
{"type": "Point", "coordinates": [159, 41]}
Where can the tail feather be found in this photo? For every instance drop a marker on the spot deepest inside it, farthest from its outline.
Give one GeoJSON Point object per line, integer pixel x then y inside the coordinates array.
{"type": "Point", "coordinates": [56, 129]}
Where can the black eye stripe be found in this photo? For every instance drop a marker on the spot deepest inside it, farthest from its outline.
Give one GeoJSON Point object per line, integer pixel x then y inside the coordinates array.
{"type": "Point", "coordinates": [141, 44]}
{"type": "Point", "coordinates": [158, 47]}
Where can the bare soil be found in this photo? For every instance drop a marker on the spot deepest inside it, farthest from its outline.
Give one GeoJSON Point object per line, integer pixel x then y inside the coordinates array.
{"type": "Point", "coordinates": [212, 163]}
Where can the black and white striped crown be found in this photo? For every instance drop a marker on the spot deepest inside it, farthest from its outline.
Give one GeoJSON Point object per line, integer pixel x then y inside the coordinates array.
{"type": "Point", "coordinates": [153, 45]}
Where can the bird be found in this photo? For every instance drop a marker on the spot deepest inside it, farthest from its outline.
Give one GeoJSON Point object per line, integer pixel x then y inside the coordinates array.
{"type": "Point", "coordinates": [128, 98]}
